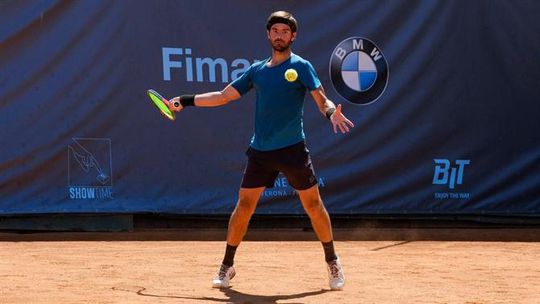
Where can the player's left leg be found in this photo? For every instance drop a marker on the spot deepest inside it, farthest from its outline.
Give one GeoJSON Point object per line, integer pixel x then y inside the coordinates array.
{"type": "Point", "coordinates": [320, 220]}
{"type": "Point", "coordinates": [296, 165]}
{"type": "Point", "coordinates": [312, 203]}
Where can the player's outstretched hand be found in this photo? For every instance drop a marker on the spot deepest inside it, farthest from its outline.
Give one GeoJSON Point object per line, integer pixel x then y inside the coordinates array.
{"type": "Point", "coordinates": [175, 105]}
{"type": "Point", "coordinates": [340, 121]}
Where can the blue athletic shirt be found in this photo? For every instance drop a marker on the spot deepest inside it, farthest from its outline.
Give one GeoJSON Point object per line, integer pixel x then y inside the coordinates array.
{"type": "Point", "coordinates": [280, 104]}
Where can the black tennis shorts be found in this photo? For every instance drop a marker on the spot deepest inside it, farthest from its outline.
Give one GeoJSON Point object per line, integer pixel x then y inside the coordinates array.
{"type": "Point", "coordinates": [264, 166]}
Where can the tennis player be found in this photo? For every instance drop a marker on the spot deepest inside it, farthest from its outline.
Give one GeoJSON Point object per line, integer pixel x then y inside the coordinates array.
{"type": "Point", "coordinates": [278, 144]}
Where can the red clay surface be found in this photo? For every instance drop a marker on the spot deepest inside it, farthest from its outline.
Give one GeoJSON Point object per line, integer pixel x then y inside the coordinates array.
{"type": "Point", "coordinates": [268, 272]}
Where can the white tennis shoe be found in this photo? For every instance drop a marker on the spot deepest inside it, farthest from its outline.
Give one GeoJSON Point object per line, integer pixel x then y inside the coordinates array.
{"type": "Point", "coordinates": [336, 277]}
{"type": "Point", "coordinates": [224, 276]}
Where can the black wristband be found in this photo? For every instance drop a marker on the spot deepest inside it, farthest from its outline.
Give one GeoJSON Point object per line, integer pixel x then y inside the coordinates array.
{"type": "Point", "coordinates": [329, 112]}
{"type": "Point", "coordinates": [187, 100]}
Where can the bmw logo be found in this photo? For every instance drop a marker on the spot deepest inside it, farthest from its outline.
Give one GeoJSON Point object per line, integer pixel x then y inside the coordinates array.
{"type": "Point", "coordinates": [358, 70]}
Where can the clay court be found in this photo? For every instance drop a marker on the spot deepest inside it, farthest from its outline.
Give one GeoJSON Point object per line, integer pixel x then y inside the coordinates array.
{"type": "Point", "coordinates": [268, 272]}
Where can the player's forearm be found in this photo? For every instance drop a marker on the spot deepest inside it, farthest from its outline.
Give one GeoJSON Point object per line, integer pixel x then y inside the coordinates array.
{"type": "Point", "coordinates": [211, 99]}
{"type": "Point", "coordinates": [326, 106]}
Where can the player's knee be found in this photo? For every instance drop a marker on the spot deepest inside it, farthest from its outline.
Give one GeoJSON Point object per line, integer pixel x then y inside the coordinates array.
{"type": "Point", "coordinates": [313, 207]}
{"type": "Point", "coordinates": [245, 207]}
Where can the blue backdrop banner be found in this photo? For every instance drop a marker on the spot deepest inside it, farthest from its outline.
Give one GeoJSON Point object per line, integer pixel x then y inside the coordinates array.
{"type": "Point", "coordinates": [444, 95]}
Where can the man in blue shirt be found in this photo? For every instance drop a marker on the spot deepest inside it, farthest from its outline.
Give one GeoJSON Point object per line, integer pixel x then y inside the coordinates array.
{"type": "Point", "coordinates": [277, 145]}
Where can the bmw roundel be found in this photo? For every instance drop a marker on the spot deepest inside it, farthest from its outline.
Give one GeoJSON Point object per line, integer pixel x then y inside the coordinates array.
{"type": "Point", "coordinates": [358, 70]}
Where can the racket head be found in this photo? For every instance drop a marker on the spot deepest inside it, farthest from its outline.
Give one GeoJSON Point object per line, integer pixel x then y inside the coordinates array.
{"type": "Point", "coordinates": [161, 103]}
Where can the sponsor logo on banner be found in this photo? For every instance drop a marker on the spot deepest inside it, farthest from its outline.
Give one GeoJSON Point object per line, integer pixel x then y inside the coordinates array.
{"type": "Point", "coordinates": [282, 188]}
{"type": "Point", "coordinates": [450, 174]}
{"type": "Point", "coordinates": [181, 62]}
{"type": "Point", "coordinates": [90, 169]}
{"type": "Point", "coordinates": [358, 70]}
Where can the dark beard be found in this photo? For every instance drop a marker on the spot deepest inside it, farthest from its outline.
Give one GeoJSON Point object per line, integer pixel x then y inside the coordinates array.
{"type": "Point", "coordinates": [281, 48]}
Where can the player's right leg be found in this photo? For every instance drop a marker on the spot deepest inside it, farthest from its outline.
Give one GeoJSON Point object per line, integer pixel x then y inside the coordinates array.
{"type": "Point", "coordinates": [258, 175]}
{"type": "Point", "coordinates": [238, 224]}
{"type": "Point", "coordinates": [239, 221]}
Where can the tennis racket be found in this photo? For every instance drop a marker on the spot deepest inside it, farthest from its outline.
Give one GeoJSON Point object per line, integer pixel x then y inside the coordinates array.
{"type": "Point", "coordinates": [162, 104]}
